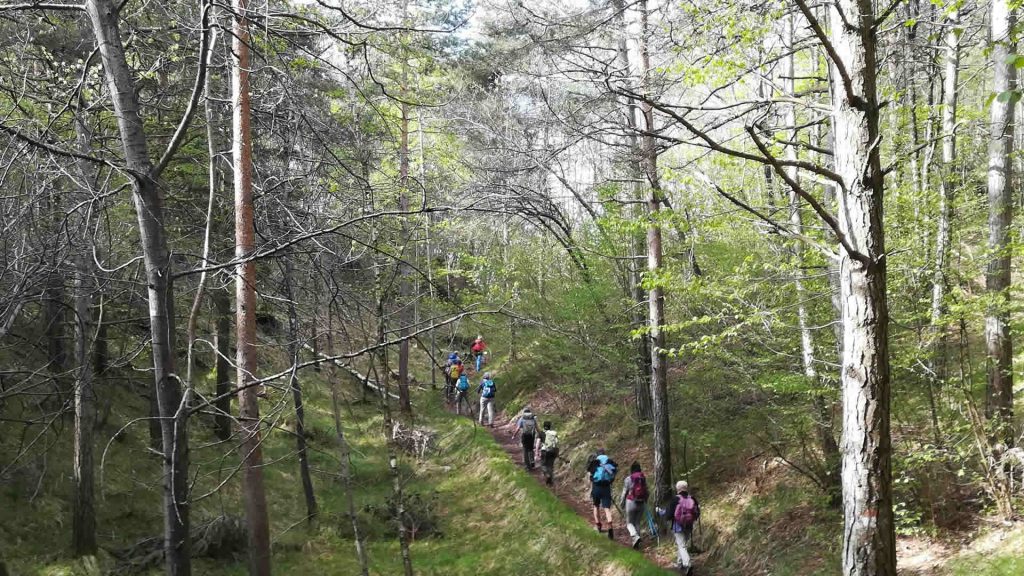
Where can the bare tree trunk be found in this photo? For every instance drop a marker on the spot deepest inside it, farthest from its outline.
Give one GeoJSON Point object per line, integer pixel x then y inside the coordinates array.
{"type": "Point", "coordinates": [951, 63]}
{"type": "Point", "coordinates": [83, 515]}
{"type": "Point", "coordinates": [869, 546]}
{"type": "Point", "coordinates": [634, 289]}
{"type": "Point", "coordinates": [822, 413]}
{"type": "Point", "coordinates": [397, 493]}
{"type": "Point", "coordinates": [937, 334]}
{"type": "Point", "coordinates": [998, 339]}
{"type": "Point", "coordinates": [222, 369]}
{"type": "Point", "coordinates": [149, 209]}
{"type": "Point", "coordinates": [345, 456]}
{"type": "Point", "coordinates": [405, 284]}
{"type": "Point", "coordinates": [404, 280]}
{"type": "Point", "coordinates": [245, 295]}
{"type": "Point", "coordinates": [300, 415]}
{"type": "Point", "coordinates": [656, 307]}
{"type": "Point", "coordinates": [83, 524]}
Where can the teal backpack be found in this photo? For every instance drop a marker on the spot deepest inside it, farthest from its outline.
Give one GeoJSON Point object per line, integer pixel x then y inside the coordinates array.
{"type": "Point", "coordinates": [463, 383]}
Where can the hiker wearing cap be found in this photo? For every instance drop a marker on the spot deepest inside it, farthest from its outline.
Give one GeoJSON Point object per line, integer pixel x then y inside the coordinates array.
{"type": "Point", "coordinates": [633, 499]}
{"type": "Point", "coordinates": [684, 511]}
{"type": "Point", "coordinates": [486, 390]}
{"type": "Point", "coordinates": [601, 473]}
{"type": "Point", "coordinates": [527, 425]}
{"type": "Point", "coordinates": [548, 453]}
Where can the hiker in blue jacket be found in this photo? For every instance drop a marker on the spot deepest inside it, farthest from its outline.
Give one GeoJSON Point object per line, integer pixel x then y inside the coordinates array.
{"type": "Point", "coordinates": [601, 473]}
{"type": "Point", "coordinates": [461, 390]}
{"type": "Point", "coordinates": [486, 390]}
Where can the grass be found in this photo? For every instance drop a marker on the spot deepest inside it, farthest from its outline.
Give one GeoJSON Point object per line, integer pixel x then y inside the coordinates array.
{"type": "Point", "coordinates": [1005, 558]}
{"type": "Point", "coordinates": [492, 517]}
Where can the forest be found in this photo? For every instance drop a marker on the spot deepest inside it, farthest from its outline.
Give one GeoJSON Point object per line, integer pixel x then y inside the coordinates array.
{"type": "Point", "coordinates": [760, 252]}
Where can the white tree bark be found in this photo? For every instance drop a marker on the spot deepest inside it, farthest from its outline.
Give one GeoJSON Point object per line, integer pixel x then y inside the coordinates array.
{"type": "Point", "coordinates": [998, 339]}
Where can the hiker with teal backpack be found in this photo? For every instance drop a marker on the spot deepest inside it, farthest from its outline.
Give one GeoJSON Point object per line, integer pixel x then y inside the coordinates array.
{"type": "Point", "coordinates": [633, 500]}
{"type": "Point", "coordinates": [684, 511]}
{"type": "Point", "coordinates": [461, 390]}
{"type": "Point", "coordinates": [486, 390]}
{"type": "Point", "coordinates": [548, 453]}
{"type": "Point", "coordinates": [527, 424]}
{"type": "Point", "coordinates": [601, 472]}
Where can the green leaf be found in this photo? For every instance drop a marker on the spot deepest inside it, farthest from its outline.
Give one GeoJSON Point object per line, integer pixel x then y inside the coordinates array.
{"type": "Point", "coordinates": [1008, 96]}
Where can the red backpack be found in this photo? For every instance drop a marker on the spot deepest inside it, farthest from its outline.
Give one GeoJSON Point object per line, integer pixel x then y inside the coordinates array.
{"type": "Point", "coordinates": [686, 511]}
{"type": "Point", "coordinates": [638, 489]}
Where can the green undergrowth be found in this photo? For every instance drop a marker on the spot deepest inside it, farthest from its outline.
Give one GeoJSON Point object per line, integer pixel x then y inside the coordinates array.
{"type": "Point", "coordinates": [491, 518]}
{"type": "Point", "coordinates": [756, 520]}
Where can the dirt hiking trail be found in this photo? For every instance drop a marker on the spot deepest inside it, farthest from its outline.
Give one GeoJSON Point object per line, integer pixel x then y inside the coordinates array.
{"type": "Point", "coordinates": [568, 488]}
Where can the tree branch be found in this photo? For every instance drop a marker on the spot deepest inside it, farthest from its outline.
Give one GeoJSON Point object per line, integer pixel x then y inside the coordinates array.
{"type": "Point", "coordinates": [205, 56]}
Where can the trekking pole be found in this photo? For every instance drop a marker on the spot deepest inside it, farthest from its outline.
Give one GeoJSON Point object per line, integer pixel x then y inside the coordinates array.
{"type": "Point", "coordinates": [651, 526]}
{"type": "Point", "coordinates": [700, 535]}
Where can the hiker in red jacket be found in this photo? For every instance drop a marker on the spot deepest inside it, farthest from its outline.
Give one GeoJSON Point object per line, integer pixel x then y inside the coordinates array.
{"type": "Point", "coordinates": [479, 349]}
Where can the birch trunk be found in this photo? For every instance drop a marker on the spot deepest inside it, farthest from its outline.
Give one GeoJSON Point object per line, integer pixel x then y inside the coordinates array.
{"type": "Point", "coordinates": [998, 339]}
{"type": "Point", "coordinates": [245, 294]}
{"type": "Point", "coordinates": [634, 288]}
{"type": "Point", "coordinates": [868, 537]}
{"type": "Point", "coordinates": [951, 64]}
{"type": "Point", "coordinates": [149, 210]}
{"type": "Point", "coordinates": [822, 414]}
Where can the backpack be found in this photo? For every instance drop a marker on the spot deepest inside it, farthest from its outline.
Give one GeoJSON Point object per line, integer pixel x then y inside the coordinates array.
{"type": "Point", "coordinates": [463, 383]}
{"type": "Point", "coordinates": [605, 470]}
{"type": "Point", "coordinates": [488, 389]}
{"type": "Point", "coordinates": [638, 489]}
{"type": "Point", "coordinates": [529, 425]}
{"type": "Point", "coordinates": [686, 512]}
{"type": "Point", "coordinates": [550, 440]}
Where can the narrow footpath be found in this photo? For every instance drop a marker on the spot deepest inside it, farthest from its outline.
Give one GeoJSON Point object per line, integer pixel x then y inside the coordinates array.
{"type": "Point", "coordinates": [568, 489]}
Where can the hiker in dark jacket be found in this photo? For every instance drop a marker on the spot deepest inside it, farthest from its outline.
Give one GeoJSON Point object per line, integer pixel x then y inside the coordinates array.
{"type": "Point", "coordinates": [633, 500]}
{"type": "Point", "coordinates": [601, 474]}
{"type": "Point", "coordinates": [684, 511]}
{"type": "Point", "coordinates": [527, 425]}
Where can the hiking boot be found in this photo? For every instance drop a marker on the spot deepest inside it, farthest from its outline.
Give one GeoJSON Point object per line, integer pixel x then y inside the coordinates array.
{"type": "Point", "coordinates": [599, 527]}
{"type": "Point", "coordinates": [611, 533]}
{"type": "Point", "coordinates": [636, 542]}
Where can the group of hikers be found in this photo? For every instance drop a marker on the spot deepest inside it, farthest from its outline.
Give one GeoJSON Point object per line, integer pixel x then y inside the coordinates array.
{"type": "Point", "coordinates": [682, 509]}
{"type": "Point", "coordinates": [545, 440]}
{"type": "Point", "coordinates": [457, 379]}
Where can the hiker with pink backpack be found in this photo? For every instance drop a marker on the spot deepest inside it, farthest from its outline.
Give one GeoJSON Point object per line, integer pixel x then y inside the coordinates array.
{"type": "Point", "coordinates": [684, 511]}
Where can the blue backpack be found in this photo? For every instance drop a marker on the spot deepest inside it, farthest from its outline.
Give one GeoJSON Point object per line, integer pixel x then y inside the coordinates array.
{"type": "Point", "coordinates": [463, 383]}
{"type": "Point", "coordinates": [605, 470]}
{"type": "Point", "coordinates": [487, 388]}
